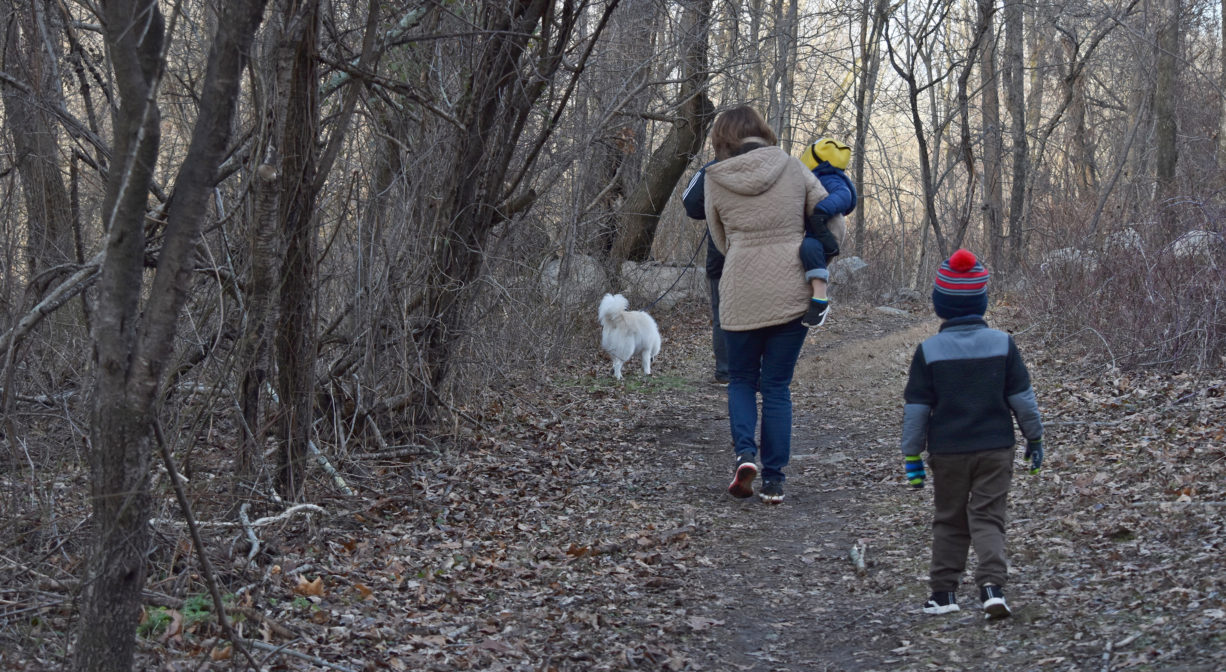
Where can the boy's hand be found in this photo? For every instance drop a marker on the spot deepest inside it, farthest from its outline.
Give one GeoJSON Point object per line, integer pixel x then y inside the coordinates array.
{"type": "Point", "coordinates": [1034, 453]}
{"type": "Point", "coordinates": [915, 470]}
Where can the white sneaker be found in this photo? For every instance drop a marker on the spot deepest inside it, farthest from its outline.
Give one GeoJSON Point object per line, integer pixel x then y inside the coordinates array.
{"type": "Point", "coordinates": [941, 603]}
{"type": "Point", "coordinates": [993, 598]}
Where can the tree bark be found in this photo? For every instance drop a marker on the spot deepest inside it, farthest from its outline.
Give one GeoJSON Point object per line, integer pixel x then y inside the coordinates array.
{"type": "Point", "coordinates": [1015, 103]}
{"type": "Point", "coordinates": [1166, 89]}
{"type": "Point", "coordinates": [1085, 174]}
{"type": "Point", "coordinates": [993, 192]}
{"type": "Point", "coordinates": [783, 81]}
{"type": "Point", "coordinates": [520, 49]}
{"type": "Point", "coordinates": [872, 22]}
{"type": "Point", "coordinates": [641, 213]}
{"type": "Point", "coordinates": [294, 341]}
{"type": "Point", "coordinates": [1221, 119]}
{"type": "Point", "coordinates": [131, 342]}
{"type": "Point", "coordinates": [120, 423]}
{"type": "Point", "coordinates": [29, 56]}
{"type": "Point", "coordinates": [616, 155]}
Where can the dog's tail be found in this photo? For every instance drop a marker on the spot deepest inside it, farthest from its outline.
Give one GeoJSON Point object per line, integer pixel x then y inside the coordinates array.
{"type": "Point", "coordinates": [611, 308]}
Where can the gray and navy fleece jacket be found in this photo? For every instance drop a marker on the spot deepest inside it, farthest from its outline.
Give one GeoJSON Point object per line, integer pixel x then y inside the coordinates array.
{"type": "Point", "coordinates": [967, 383]}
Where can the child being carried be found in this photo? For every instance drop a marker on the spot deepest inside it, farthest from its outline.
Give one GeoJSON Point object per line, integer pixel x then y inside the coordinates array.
{"type": "Point", "coordinates": [825, 228]}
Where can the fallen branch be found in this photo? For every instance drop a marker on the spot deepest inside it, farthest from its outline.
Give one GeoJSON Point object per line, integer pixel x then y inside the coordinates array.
{"type": "Point", "coordinates": [49, 400]}
{"type": "Point", "coordinates": [393, 452]}
{"type": "Point", "coordinates": [374, 430]}
{"type": "Point", "coordinates": [859, 557]}
{"type": "Point", "coordinates": [327, 466]}
{"type": "Point", "coordinates": [259, 522]}
{"type": "Point", "coordinates": [260, 618]}
{"type": "Point", "coordinates": [255, 541]}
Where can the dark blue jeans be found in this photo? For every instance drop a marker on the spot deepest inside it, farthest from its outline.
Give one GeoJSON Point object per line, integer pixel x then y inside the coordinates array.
{"type": "Point", "coordinates": [762, 361]}
{"type": "Point", "coordinates": [813, 258]}
{"type": "Point", "coordinates": [718, 345]}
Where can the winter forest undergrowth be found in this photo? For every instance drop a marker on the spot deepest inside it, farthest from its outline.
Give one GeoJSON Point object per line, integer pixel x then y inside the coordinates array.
{"type": "Point", "coordinates": [299, 364]}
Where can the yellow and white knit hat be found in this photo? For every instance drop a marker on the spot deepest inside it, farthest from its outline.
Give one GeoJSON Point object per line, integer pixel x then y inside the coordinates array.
{"type": "Point", "coordinates": [829, 150]}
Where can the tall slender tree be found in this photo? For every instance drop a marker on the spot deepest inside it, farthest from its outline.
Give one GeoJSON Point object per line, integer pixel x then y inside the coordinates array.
{"type": "Point", "coordinates": [1015, 103]}
{"type": "Point", "coordinates": [873, 16]}
{"type": "Point", "coordinates": [297, 172]}
{"type": "Point", "coordinates": [31, 52]}
{"type": "Point", "coordinates": [1166, 87]}
{"type": "Point", "coordinates": [132, 341]}
{"type": "Point", "coordinates": [989, 107]}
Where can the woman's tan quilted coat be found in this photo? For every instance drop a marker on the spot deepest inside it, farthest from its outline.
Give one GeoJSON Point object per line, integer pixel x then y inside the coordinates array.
{"type": "Point", "coordinates": [756, 203]}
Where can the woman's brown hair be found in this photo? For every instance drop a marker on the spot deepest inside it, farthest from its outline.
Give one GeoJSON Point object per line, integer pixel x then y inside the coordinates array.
{"type": "Point", "coordinates": [733, 126]}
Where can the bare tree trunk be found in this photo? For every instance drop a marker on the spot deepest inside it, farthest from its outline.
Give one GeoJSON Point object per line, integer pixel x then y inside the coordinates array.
{"type": "Point", "coordinates": [516, 58]}
{"type": "Point", "coordinates": [993, 192]}
{"type": "Point", "coordinates": [983, 24]}
{"type": "Point", "coordinates": [1166, 86]}
{"type": "Point", "coordinates": [131, 342]}
{"type": "Point", "coordinates": [872, 21]}
{"type": "Point", "coordinates": [757, 85]}
{"type": "Point", "coordinates": [783, 79]}
{"type": "Point", "coordinates": [1085, 178]}
{"type": "Point", "coordinates": [1038, 60]}
{"type": "Point", "coordinates": [728, 45]}
{"type": "Point", "coordinates": [120, 424]}
{"type": "Point", "coordinates": [1015, 102]}
{"type": "Point", "coordinates": [614, 166]}
{"type": "Point", "coordinates": [264, 270]}
{"type": "Point", "coordinates": [294, 340]}
{"type": "Point", "coordinates": [641, 212]}
{"type": "Point", "coordinates": [30, 58]}
{"type": "Point", "coordinates": [906, 53]}
{"type": "Point", "coordinates": [1221, 120]}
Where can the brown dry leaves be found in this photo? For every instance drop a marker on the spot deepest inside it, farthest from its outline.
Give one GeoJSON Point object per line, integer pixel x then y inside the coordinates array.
{"type": "Point", "coordinates": [1118, 548]}
{"type": "Point", "coordinates": [551, 537]}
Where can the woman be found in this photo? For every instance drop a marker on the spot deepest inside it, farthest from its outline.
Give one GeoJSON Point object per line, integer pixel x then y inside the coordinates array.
{"type": "Point", "coordinates": [756, 199]}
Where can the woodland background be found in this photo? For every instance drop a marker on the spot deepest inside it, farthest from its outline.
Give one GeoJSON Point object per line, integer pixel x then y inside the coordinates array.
{"type": "Point", "coordinates": [289, 238]}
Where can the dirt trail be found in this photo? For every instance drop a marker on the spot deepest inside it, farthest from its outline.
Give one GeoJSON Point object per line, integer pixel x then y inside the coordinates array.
{"type": "Point", "coordinates": [1100, 561]}
{"type": "Point", "coordinates": [780, 591]}
{"type": "Point", "coordinates": [1107, 570]}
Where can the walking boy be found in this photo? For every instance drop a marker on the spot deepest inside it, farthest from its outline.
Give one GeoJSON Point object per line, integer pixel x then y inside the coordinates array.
{"type": "Point", "coordinates": [966, 385]}
{"type": "Point", "coordinates": [825, 228]}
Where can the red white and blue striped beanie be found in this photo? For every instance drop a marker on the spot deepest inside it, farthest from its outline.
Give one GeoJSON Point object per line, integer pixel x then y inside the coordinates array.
{"type": "Point", "coordinates": [960, 287]}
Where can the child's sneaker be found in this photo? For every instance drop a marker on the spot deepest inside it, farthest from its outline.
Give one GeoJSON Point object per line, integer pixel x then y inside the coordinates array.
{"type": "Point", "coordinates": [818, 310]}
{"type": "Point", "coordinates": [941, 603]}
{"type": "Point", "coordinates": [993, 598]}
{"type": "Point", "coordinates": [771, 493]}
{"type": "Point", "coordinates": [742, 479]}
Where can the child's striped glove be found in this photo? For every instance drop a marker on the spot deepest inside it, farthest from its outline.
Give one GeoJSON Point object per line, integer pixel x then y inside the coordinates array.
{"type": "Point", "coordinates": [1034, 453]}
{"type": "Point", "coordinates": [915, 470]}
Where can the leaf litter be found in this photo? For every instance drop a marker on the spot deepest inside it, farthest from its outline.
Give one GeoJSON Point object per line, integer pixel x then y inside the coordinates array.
{"type": "Point", "coordinates": [582, 525]}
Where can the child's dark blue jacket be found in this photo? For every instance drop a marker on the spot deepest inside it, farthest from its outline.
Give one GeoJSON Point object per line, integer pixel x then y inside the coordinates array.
{"type": "Point", "coordinates": [841, 200]}
{"type": "Point", "coordinates": [842, 193]}
{"type": "Point", "coordinates": [966, 385]}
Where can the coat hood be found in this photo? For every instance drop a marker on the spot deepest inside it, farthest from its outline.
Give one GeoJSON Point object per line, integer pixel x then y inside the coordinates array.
{"type": "Point", "coordinates": [751, 173]}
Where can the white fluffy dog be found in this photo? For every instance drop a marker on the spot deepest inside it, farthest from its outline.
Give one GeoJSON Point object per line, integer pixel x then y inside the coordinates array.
{"type": "Point", "coordinates": [627, 333]}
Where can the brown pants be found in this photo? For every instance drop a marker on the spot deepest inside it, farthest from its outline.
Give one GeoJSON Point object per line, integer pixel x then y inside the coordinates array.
{"type": "Point", "coordinates": [969, 492]}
